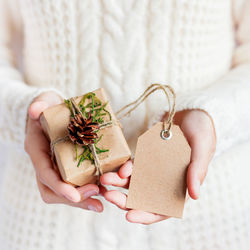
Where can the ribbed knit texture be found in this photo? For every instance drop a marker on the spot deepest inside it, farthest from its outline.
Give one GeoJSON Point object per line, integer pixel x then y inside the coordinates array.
{"type": "Point", "coordinates": [77, 46]}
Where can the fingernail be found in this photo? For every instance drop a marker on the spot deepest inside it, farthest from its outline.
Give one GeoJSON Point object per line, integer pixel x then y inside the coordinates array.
{"type": "Point", "coordinates": [89, 193]}
{"type": "Point", "coordinates": [92, 208]}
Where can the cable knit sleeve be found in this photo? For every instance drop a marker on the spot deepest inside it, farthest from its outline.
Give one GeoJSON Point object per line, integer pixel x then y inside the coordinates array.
{"type": "Point", "coordinates": [227, 100]}
{"type": "Point", "coordinates": [15, 95]}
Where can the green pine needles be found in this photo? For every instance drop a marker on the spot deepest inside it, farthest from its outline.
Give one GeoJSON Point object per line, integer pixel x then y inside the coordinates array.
{"type": "Point", "coordinates": [90, 103]}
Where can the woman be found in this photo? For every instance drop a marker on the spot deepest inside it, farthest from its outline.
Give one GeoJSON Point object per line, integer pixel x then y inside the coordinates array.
{"type": "Point", "coordinates": [201, 48]}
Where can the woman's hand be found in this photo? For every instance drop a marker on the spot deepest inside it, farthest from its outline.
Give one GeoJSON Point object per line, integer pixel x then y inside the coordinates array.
{"type": "Point", "coordinates": [198, 128]}
{"type": "Point", "coordinates": [51, 187]}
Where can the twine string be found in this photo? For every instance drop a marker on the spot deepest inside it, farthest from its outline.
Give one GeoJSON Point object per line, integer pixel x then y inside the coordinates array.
{"type": "Point", "coordinates": [91, 146]}
{"type": "Point", "coordinates": [167, 122]}
{"type": "Point", "coordinates": [121, 113]}
{"type": "Point", "coordinates": [77, 110]}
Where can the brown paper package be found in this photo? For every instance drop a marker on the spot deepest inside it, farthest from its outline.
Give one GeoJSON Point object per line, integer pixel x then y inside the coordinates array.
{"type": "Point", "coordinates": [54, 121]}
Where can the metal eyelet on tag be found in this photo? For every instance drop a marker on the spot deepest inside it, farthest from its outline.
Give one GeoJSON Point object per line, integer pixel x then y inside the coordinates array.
{"type": "Point", "coordinates": [166, 135]}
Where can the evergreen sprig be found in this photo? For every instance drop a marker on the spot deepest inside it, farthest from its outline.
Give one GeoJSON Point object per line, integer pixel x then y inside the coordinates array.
{"type": "Point", "coordinates": [99, 112]}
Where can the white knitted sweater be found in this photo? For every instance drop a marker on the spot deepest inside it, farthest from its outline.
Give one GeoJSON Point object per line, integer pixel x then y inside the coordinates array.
{"type": "Point", "coordinates": [201, 48]}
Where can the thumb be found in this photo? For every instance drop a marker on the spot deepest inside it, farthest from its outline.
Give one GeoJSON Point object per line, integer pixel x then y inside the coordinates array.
{"type": "Point", "coordinates": [198, 167]}
{"type": "Point", "coordinates": [36, 108]}
{"type": "Point", "coordinates": [42, 102]}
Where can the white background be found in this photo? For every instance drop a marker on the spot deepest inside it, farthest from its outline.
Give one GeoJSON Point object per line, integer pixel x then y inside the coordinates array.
{"type": "Point", "coordinates": [2, 165]}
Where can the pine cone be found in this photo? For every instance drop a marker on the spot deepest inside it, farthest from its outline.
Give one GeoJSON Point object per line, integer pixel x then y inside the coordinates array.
{"type": "Point", "coordinates": [81, 130]}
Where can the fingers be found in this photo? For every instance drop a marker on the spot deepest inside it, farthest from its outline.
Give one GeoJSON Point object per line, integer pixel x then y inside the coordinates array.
{"type": "Point", "coordinates": [37, 147]}
{"type": "Point", "coordinates": [36, 108]}
{"type": "Point", "coordinates": [49, 177]}
{"type": "Point", "coordinates": [193, 182]}
{"type": "Point", "coordinates": [199, 131]}
{"type": "Point", "coordinates": [88, 190]}
{"type": "Point", "coordinates": [135, 216]}
{"type": "Point", "coordinates": [126, 170]}
{"type": "Point", "coordinates": [42, 102]}
{"type": "Point", "coordinates": [117, 198]}
{"type": "Point", "coordinates": [114, 179]}
{"type": "Point", "coordinates": [142, 217]}
{"type": "Point", "coordinates": [50, 97]}
{"type": "Point", "coordinates": [102, 190]}
{"type": "Point", "coordinates": [54, 189]}
{"type": "Point", "coordinates": [120, 179]}
{"type": "Point", "coordinates": [90, 204]}
{"type": "Point", "coordinates": [50, 197]}
{"type": "Point", "coordinates": [198, 165]}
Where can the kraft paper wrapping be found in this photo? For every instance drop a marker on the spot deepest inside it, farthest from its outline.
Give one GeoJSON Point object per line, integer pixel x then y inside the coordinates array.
{"type": "Point", "coordinates": [158, 181]}
{"type": "Point", "coordinates": [55, 120]}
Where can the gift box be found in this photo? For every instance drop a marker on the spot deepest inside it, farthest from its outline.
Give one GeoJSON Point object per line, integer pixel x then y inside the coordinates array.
{"type": "Point", "coordinates": [75, 157]}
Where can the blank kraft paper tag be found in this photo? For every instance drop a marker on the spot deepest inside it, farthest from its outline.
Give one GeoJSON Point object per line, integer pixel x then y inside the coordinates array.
{"type": "Point", "coordinates": [158, 181]}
